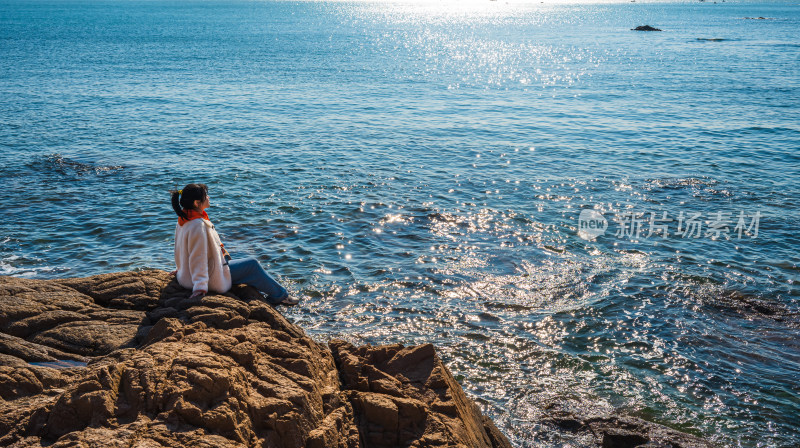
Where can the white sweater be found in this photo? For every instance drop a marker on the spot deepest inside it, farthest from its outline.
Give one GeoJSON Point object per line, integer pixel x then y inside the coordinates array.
{"type": "Point", "coordinates": [199, 259]}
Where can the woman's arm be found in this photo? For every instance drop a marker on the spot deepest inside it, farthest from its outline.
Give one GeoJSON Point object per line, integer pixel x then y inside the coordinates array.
{"type": "Point", "coordinates": [198, 256]}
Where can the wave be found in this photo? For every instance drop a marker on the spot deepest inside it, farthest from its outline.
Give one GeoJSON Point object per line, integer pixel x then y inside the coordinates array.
{"type": "Point", "coordinates": [678, 183]}
{"type": "Point", "coordinates": [16, 266]}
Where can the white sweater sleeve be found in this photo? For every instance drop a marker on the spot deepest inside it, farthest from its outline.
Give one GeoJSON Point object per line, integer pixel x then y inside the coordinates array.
{"type": "Point", "coordinates": [198, 257]}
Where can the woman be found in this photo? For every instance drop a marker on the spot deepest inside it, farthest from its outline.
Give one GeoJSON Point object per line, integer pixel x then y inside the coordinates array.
{"type": "Point", "coordinates": [202, 262]}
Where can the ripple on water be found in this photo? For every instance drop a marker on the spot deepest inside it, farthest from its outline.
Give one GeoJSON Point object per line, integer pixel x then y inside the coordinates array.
{"type": "Point", "coordinates": [56, 163]}
{"type": "Point", "coordinates": [415, 172]}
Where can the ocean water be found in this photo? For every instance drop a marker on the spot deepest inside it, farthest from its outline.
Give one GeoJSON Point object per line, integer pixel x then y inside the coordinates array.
{"type": "Point", "coordinates": [416, 172]}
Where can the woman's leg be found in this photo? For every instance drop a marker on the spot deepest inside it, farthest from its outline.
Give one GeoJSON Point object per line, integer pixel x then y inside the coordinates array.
{"type": "Point", "coordinates": [249, 271]}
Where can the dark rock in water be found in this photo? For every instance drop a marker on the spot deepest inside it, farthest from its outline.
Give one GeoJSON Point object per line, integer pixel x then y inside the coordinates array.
{"type": "Point", "coordinates": [64, 166]}
{"type": "Point", "coordinates": [711, 39]}
{"type": "Point", "coordinates": [757, 18]}
{"type": "Point", "coordinates": [138, 364]}
{"type": "Point", "coordinates": [621, 438]}
{"type": "Point", "coordinates": [616, 431]}
{"type": "Point", "coordinates": [753, 307]}
{"type": "Point", "coordinates": [645, 28]}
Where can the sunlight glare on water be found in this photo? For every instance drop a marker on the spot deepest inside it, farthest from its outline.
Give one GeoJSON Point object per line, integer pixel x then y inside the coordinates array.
{"type": "Point", "coordinates": [415, 171]}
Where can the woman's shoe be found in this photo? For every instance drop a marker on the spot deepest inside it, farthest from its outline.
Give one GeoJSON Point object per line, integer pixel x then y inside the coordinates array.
{"type": "Point", "coordinates": [290, 301]}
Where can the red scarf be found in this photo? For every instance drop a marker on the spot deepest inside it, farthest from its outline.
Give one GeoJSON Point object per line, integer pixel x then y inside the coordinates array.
{"type": "Point", "coordinates": [192, 214]}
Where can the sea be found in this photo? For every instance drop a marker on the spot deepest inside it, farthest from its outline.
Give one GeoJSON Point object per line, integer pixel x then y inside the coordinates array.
{"type": "Point", "coordinates": [578, 215]}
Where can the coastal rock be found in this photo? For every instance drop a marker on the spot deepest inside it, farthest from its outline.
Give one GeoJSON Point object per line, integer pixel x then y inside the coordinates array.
{"type": "Point", "coordinates": [405, 394]}
{"type": "Point", "coordinates": [645, 28]}
{"type": "Point", "coordinates": [126, 359]}
{"type": "Point", "coordinates": [618, 431]}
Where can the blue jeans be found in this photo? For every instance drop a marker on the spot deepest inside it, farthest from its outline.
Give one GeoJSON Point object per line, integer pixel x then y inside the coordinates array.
{"type": "Point", "coordinates": [250, 272]}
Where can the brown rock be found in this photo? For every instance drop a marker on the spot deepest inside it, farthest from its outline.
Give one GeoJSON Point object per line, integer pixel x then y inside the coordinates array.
{"type": "Point", "coordinates": [405, 395]}
{"type": "Point", "coordinates": [222, 371]}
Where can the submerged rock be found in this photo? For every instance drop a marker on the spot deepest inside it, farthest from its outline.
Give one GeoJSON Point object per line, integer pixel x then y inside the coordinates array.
{"type": "Point", "coordinates": [617, 431]}
{"type": "Point", "coordinates": [645, 28]}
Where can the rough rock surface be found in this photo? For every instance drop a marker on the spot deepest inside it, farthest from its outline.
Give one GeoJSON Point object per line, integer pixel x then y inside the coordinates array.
{"type": "Point", "coordinates": [126, 359]}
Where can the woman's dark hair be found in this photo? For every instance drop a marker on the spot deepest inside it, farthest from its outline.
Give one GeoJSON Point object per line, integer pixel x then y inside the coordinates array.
{"type": "Point", "coordinates": [188, 195]}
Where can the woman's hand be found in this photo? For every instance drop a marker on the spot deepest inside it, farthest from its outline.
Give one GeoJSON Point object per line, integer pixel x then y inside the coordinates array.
{"type": "Point", "coordinates": [199, 294]}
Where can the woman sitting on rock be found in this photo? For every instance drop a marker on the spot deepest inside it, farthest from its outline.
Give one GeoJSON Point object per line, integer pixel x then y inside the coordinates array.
{"type": "Point", "coordinates": [202, 262]}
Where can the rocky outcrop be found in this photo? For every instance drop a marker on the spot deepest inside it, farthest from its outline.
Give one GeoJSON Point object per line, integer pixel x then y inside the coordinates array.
{"type": "Point", "coordinates": [402, 395]}
{"type": "Point", "coordinates": [645, 28]}
{"type": "Point", "coordinates": [127, 359]}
